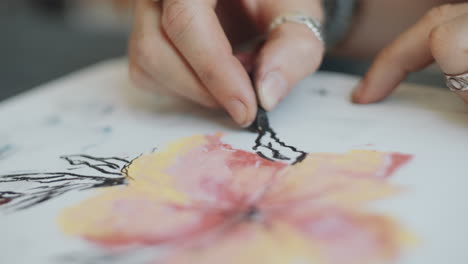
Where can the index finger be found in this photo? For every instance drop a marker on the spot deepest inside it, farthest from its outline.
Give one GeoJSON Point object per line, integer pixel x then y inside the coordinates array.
{"type": "Point", "coordinates": [194, 29]}
{"type": "Point", "coordinates": [408, 53]}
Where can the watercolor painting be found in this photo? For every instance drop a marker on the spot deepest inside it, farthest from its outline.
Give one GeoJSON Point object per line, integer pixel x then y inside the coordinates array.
{"type": "Point", "coordinates": [202, 201]}
{"type": "Point", "coordinates": [211, 203]}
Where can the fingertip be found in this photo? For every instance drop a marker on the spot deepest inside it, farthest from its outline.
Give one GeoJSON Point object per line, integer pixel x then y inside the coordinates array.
{"type": "Point", "coordinates": [249, 121]}
{"type": "Point", "coordinates": [290, 53]}
{"type": "Point", "coordinates": [240, 112]}
{"type": "Point", "coordinates": [363, 93]}
{"type": "Point", "coordinates": [237, 110]}
{"type": "Point", "coordinates": [380, 81]}
{"type": "Point", "coordinates": [356, 95]}
{"type": "Point", "coordinates": [361, 96]}
{"type": "Point", "coordinates": [271, 89]}
{"type": "Point", "coordinates": [251, 114]}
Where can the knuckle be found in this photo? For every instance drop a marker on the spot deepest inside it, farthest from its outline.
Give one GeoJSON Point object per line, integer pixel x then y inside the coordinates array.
{"type": "Point", "coordinates": [177, 18]}
{"type": "Point", "coordinates": [207, 72]}
{"type": "Point", "coordinates": [440, 12]}
{"type": "Point", "coordinates": [439, 34]}
{"type": "Point", "coordinates": [313, 52]}
{"type": "Point", "coordinates": [137, 77]}
{"type": "Point", "coordinates": [144, 50]}
{"type": "Point", "coordinates": [390, 57]}
{"type": "Point", "coordinates": [443, 38]}
{"type": "Point", "coordinates": [386, 55]}
{"type": "Point", "coordinates": [205, 99]}
{"type": "Point", "coordinates": [143, 81]}
{"type": "Point", "coordinates": [212, 104]}
{"type": "Point", "coordinates": [304, 46]}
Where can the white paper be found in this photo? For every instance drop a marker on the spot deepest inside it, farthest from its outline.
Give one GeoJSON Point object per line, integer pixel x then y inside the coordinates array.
{"type": "Point", "coordinates": [97, 112]}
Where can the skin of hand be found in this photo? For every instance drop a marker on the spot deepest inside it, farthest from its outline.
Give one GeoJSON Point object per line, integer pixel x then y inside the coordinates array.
{"type": "Point", "coordinates": [187, 48]}
{"type": "Point", "coordinates": [441, 36]}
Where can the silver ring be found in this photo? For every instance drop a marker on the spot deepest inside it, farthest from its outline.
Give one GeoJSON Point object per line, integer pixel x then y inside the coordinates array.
{"type": "Point", "coordinates": [457, 82]}
{"type": "Point", "coordinates": [314, 25]}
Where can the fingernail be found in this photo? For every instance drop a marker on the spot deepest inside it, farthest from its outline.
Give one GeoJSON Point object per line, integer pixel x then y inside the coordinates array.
{"type": "Point", "coordinates": [357, 94]}
{"type": "Point", "coordinates": [272, 89]}
{"type": "Point", "coordinates": [238, 111]}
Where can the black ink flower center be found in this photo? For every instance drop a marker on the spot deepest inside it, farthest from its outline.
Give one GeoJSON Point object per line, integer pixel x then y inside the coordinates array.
{"type": "Point", "coordinates": [253, 213]}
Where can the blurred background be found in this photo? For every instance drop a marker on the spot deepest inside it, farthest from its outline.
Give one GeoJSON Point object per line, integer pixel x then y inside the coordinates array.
{"type": "Point", "coordinates": [42, 40]}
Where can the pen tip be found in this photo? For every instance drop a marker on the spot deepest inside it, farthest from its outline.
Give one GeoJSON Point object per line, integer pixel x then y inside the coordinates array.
{"type": "Point", "coordinates": [261, 121]}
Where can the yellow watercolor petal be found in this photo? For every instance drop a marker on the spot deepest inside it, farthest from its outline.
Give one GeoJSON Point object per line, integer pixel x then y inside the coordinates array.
{"type": "Point", "coordinates": [361, 161]}
{"type": "Point", "coordinates": [148, 174]}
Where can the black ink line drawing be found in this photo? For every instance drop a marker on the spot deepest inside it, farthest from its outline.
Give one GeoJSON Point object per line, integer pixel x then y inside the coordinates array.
{"type": "Point", "coordinates": [43, 186]}
{"type": "Point", "coordinates": [269, 146]}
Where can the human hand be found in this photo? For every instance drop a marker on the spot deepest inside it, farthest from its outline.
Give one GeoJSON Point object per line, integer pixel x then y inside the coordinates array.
{"type": "Point", "coordinates": [185, 48]}
{"type": "Point", "coordinates": [440, 36]}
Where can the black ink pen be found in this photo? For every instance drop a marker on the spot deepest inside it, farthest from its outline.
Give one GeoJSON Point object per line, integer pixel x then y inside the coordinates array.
{"type": "Point", "coordinates": [260, 124]}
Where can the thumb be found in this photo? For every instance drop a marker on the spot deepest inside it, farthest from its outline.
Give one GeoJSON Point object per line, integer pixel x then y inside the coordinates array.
{"type": "Point", "coordinates": [291, 51]}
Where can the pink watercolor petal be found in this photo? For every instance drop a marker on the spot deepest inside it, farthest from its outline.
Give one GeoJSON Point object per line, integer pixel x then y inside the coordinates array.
{"type": "Point", "coordinates": [219, 175]}
{"type": "Point", "coordinates": [357, 163]}
{"type": "Point", "coordinates": [397, 160]}
{"type": "Point", "coordinates": [350, 179]}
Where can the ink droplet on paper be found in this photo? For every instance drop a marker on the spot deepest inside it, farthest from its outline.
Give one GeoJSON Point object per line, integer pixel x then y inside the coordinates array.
{"type": "Point", "coordinates": [6, 150]}
{"type": "Point", "coordinates": [211, 203]}
{"type": "Point", "coordinates": [107, 130]}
